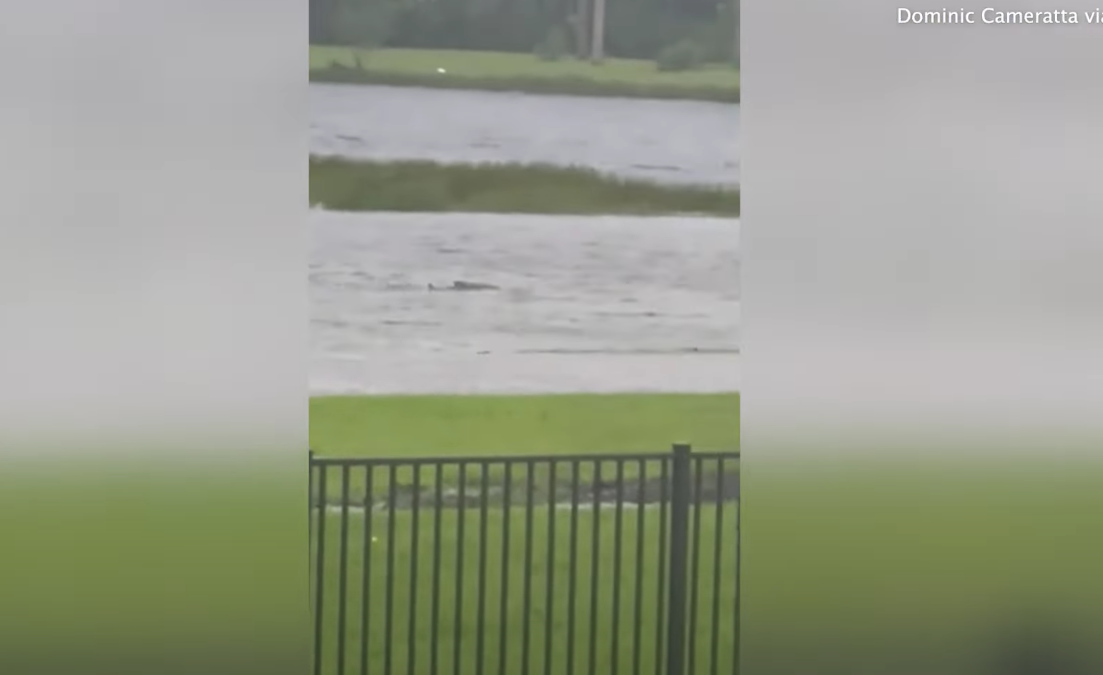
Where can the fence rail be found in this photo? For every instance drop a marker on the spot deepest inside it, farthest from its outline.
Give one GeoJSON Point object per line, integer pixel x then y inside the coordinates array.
{"type": "Point", "coordinates": [559, 565]}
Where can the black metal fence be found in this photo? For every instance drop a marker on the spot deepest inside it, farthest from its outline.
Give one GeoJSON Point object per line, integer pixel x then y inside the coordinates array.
{"type": "Point", "coordinates": [564, 565]}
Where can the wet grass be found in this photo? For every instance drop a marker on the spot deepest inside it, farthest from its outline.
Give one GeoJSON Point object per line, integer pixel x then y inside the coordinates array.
{"type": "Point", "coordinates": [494, 553]}
{"type": "Point", "coordinates": [435, 426]}
{"type": "Point", "coordinates": [502, 557]}
{"type": "Point", "coordinates": [861, 556]}
{"type": "Point", "coordinates": [421, 186]}
{"type": "Point", "coordinates": [605, 426]}
{"type": "Point", "coordinates": [496, 71]}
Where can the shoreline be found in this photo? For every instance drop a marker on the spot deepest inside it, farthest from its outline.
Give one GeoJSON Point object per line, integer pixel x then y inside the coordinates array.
{"type": "Point", "coordinates": [520, 376]}
{"type": "Point", "coordinates": [564, 86]}
{"type": "Point", "coordinates": [518, 72]}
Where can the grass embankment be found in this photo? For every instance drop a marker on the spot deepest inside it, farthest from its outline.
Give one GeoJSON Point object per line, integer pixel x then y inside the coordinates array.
{"type": "Point", "coordinates": [497, 71]}
{"type": "Point", "coordinates": [435, 426]}
{"type": "Point", "coordinates": [492, 426]}
{"type": "Point", "coordinates": [362, 185]}
{"type": "Point", "coordinates": [479, 562]}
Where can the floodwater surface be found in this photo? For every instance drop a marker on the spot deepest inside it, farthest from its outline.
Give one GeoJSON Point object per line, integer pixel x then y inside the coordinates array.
{"type": "Point", "coordinates": [582, 303]}
{"type": "Point", "coordinates": [661, 140]}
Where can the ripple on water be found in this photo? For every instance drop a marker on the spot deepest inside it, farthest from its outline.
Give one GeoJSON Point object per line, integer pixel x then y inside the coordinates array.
{"type": "Point", "coordinates": [559, 323]}
{"type": "Point", "coordinates": [627, 137]}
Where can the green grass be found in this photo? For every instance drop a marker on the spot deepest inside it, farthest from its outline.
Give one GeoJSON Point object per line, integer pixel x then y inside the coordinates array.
{"type": "Point", "coordinates": [861, 557]}
{"type": "Point", "coordinates": [521, 72]}
{"type": "Point", "coordinates": [509, 569]}
{"type": "Point", "coordinates": [442, 426]}
{"type": "Point", "coordinates": [361, 185]}
{"type": "Point", "coordinates": [433, 426]}
{"type": "Point", "coordinates": [493, 426]}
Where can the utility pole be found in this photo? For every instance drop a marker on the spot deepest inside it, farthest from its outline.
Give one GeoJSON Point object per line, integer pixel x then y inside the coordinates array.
{"type": "Point", "coordinates": [582, 28]}
{"type": "Point", "coordinates": [597, 37]}
{"type": "Point", "coordinates": [735, 35]}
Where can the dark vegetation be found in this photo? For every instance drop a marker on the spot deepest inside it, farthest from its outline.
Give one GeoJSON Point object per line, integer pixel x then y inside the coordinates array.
{"type": "Point", "coordinates": [676, 34]}
{"type": "Point", "coordinates": [355, 185]}
{"type": "Point", "coordinates": [567, 85]}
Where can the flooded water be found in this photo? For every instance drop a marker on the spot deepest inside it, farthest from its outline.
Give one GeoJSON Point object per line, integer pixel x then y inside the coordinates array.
{"type": "Point", "coordinates": [666, 141]}
{"type": "Point", "coordinates": [583, 303]}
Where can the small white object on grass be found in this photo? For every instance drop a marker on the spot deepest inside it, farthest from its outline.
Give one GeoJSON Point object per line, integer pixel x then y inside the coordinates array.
{"type": "Point", "coordinates": [374, 539]}
{"type": "Point", "coordinates": [441, 70]}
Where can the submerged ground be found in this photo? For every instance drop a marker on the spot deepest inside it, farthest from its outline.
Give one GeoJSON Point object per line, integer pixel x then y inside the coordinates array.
{"type": "Point", "coordinates": [418, 186]}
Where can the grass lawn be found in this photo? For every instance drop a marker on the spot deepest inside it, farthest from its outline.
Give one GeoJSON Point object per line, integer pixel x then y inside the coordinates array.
{"type": "Point", "coordinates": [522, 72]}
{"type": "Point", "coordinates": [361, 185]}
{"type": "Point", "coordinates": [622, 587]}
{"type": "Point", "coordinates": [486, 556]}
{"type": "Point", "coordinates": [433, 426]}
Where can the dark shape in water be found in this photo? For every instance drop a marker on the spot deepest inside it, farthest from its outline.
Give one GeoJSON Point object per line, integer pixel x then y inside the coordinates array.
{"type": "Point", "coordinates": [465, 286]}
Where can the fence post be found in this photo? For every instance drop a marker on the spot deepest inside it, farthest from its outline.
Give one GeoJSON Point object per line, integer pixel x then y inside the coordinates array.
{"type": "Point", "coordinates": [738, 572]}
{"type": "Point", "coordinates": [310, 524]}
{"type": "Point", "coordinates": [310, 493]}
{"type": "Point", "coordinates": [319, 562]}
{"type": "Point", "coordinates": [679, 553]}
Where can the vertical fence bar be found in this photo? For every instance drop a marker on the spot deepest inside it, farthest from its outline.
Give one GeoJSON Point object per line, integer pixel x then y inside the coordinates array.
{"type": "Point", "coordinates": [365, 569]}
{"type": "Point", "coordinates": [526, 621]}
{"type": "Point", "coordinates": [738, 568]}
{"type": "Point", "coordinates": [660, 604]}
{"type": "Point", "coordinates": [480, 611]}
{"type": "Point", "coordinates": [695, 569]}
{"type": "Point", "coordinates": [415, 513]}
{"type": "Point", "coordinates": [637, 626]}
{"type": "Point", "coordinates": [310, 498]}
{"type": "Point", "coordinates": [549, 591]}
{"type": "Point", "coordinates": [461, 507]}
{"type": "Point", "coordinates": [434, 607]}
{"type": "Point", "coordinates": [679, 544]}
{"type": "Point", "coordinates": [717, 577]}
{"type": "Point", "coordinates": [503, 607]}
{"type": "Point", "coordinates": [388, 625]}
{"type": "Point", "coordinates": [503, 611]}
{"type": "Point", "coordinates": [572, 568]}
{"type": "Point", "coordinates": [319, 560]}
{"type": "Point", "coordinates": [342, 570]}
{"type": "Point", "coordinates": [680, 567]}
{"type": "Point", "coordinates": [595, 566]}
{"type": "Point", "coordinates": [618, 535]}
